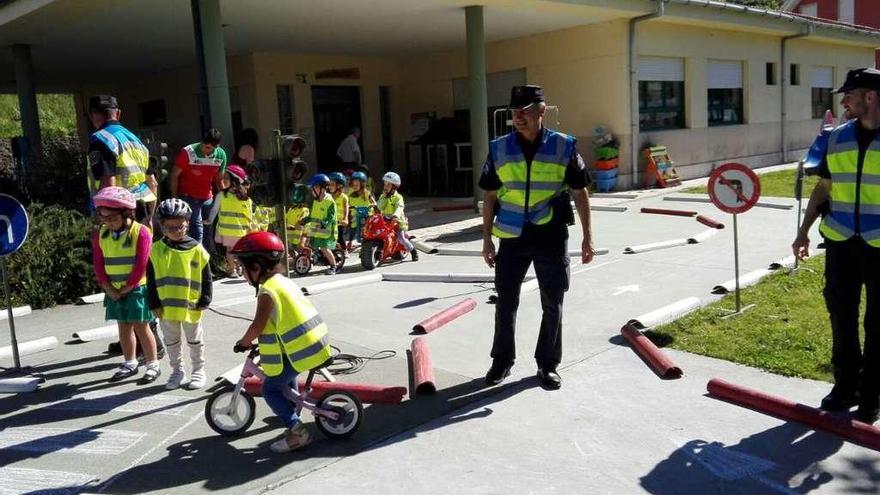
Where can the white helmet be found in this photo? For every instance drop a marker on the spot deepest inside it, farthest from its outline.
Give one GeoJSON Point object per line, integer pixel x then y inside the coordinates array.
{"type": "Point", "coordinates": [173, 208]}
{"type": "Point", "coordinates": [392, 178]}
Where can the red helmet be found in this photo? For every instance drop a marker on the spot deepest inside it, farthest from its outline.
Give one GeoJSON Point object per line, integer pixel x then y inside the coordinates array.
{"type": "Point", "coordinates": [261, 244]}
{"type": "Point", "coordinates": [237, 172]}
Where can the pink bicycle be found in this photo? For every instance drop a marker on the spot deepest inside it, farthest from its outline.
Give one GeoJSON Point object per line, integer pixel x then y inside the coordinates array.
{"type": "Point", "coordinates": [231, 410]}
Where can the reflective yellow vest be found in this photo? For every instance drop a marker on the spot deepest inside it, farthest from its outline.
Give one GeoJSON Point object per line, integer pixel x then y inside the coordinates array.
{"type": "Point", "coordinates": [393, 207]}
{"type": "Point", "coordinates": [236, 216]}
{"type": "Point", "coordinates": [294, 220]}
{"type": "Point", "coordinates": [132, 160]}
{"type": "Point", "coordinates": [341, 201]}
{"type": "Point", "coordinates": [119, 254]}
{"type": "Point", "coordinates": [295, 330]}
{"type": "Point", "coordinates": [179, 280]}
{"type": "Point", "coordinates": [848, 190]}
{"type": "Point", "coordinates": [264, 216]}
{"type": "Point", "coordinates": [360, 209]}
{"type": "Point", "coordinates": [545, 180]}
{"type": "Point", "coordinates": [322, 218]}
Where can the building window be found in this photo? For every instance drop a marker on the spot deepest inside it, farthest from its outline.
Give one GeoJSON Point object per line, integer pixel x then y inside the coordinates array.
{"type": "Point", "coordinates": [771, 74]}
{"type": "Point", "coordinates": [810, 9]}
{"type": "Point", "coordinates": [725, 92]}
{"type": "Point", "coordinates": [661, 93]}
{"type": "Point", "coordinates": [846, 11]}
{"type": "Point", "coordinates": [794, 74]}
{"type": "Point", "coordinates": [821, 84]}
{"type": "Point", "coordinates": [152, 113]}
{"type": "Point", "coordinates": [284, 93]}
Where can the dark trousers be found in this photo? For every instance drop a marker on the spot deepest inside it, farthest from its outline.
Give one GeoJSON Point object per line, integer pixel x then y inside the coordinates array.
{"type": "Point", "coordinates": [848, 266]}
{"type": "Point", "coordinates": [552, 269]}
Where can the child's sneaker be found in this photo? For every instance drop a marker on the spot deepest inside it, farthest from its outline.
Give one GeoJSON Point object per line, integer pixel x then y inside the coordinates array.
{"type": "Point", "coordinates": [294, 438]}
{"type": "Point", "coordinates": [175, 379]}
{"type": "Point", "coordinates": [151, 373]}
{"type": "Point", "coordinates": [331, 270]}
{"type": "Point", "coordinates": [196, 380]}
{"type": "Point", "coordinates": [126, 370]}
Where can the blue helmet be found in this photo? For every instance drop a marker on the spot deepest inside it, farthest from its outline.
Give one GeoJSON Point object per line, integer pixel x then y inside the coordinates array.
{"type": "Point", "coordinates": [359, 176]}
{"type": "Point", "coordinates": [338, 178]}
{"type": "Point", "coordinates": [318, 180]}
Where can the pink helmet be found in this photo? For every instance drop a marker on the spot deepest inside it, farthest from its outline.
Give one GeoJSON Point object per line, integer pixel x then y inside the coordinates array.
{"type": "Point", "coordinates": [237, 172]}
{"type": "Point", "coordinates": [114, 197]}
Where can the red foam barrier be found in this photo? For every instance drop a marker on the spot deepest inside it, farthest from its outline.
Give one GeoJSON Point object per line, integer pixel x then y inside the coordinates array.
{"type": "Point", "coordinates": [368, 394]}
{"type": "Point", "coordinates": [709, 222]}
{"type": "Point", "coordinates": [437, 320]}
{"type": "Point", "coordinates": [453, 207]}
{"type": "Point", "coordinates": [665, 211]}
{"type": "Point", "coordinates": [423, 370]}
{"type": "Point", "coordinates": [849, 429]}
{"type": "Point", "coordinates": [659, 361]}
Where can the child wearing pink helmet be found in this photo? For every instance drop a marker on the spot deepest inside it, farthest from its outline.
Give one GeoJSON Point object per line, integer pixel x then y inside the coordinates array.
{"type": "Point", "coordinates": [121, 251]}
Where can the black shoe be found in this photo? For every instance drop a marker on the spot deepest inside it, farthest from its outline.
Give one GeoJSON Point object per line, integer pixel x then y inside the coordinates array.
{"type": "Point", "coordinates": [498, 372]}
{"type": "Point", "coordinates": [550, 379]}
{"type": "Point", "coordinates": [415, 254]}
{"type": "Point", "coordinates": [839, 399]}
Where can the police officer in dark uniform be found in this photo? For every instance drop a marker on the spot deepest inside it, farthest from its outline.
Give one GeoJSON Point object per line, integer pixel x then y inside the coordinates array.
{"type": "Point", "coordinates": [529, 179]}
{"type": "Point", "coordinates": [850, 184]}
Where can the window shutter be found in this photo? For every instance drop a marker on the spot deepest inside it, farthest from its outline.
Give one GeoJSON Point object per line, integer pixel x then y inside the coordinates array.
{"type": "Point", "coordinates": [822, 77]}
{"type": "Point", "coordinates": [725, 75]}
{"type": "Point", "coordinates": [661, 69]}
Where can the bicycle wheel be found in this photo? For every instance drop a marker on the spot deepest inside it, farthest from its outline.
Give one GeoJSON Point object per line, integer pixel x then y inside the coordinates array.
{"type": "Point", "coordinates": [230, 421]}
{"type": "Point", "coordinates": [350, 410]}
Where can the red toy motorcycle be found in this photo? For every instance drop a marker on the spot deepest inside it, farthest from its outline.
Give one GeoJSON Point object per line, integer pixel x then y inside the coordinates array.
{"type": "Point", "coordinates": [380, 241]}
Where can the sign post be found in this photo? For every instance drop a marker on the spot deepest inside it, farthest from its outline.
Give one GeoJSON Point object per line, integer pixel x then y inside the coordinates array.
{"type": "Point", "coordinates": [734, 188]}
{"type": "Point", "coordinates": [13, 232]}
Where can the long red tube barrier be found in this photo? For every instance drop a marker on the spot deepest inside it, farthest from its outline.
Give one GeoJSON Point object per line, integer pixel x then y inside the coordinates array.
{"type": "Point", "coordinates": [709, 222]}
{"type": "Point", "coordinates": [368, 394]}
{"type": "Point", "coordinates": [665, 211]}
{"type": "Point", "coordinates": [437, 320]}
{"type": "Point", "coordinates": [659, 361]}
{"type": "Point", "coordinates": [423, 370]}
{"type": "Point", "coordinates": [453, 207]}
{"type": "Point", "coordinates": [854, 431]}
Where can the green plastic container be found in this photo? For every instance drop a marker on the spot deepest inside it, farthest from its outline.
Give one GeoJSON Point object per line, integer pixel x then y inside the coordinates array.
{"type": "Point", "coordinates": [606, 153]}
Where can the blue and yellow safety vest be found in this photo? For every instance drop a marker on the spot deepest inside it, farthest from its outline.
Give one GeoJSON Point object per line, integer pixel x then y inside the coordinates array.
{"type": "Point", "coordinates": [132, 160]}
{"type": "Point", "coordinates": [854, 197]}
{"type": "Point", "coordinates": [528, 190]}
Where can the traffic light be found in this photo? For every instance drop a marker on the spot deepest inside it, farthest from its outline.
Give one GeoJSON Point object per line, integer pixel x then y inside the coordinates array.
{"type": "Point", "coordinates": [266, 176]}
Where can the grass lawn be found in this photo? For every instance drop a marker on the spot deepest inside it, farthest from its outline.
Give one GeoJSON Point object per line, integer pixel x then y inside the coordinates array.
{"type": "Point", "coordinates": [777, 184]}
{"type": "Point", "coordinates": [787, 333]}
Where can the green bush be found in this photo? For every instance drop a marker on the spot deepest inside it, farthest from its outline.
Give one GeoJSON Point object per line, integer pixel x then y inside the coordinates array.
{"type": "Point", "coordinates": [54, 265]}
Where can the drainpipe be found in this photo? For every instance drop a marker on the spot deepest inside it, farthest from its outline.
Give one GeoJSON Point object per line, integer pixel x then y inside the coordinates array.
{"type": "Point", "coordinates": [783, 79]}
{"type": "Point", "coordinates": [634, 87]}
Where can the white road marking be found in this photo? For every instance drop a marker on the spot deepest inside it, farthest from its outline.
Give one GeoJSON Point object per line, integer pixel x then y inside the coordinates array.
{"type": "Point", "coordinates": [46, 440]}
{"type": "Point", "coordinates": [14, 481]}
{"type": "Point", "coordinates": [128, 402]}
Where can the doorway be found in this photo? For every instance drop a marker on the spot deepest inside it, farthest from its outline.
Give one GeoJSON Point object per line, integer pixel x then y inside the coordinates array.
{"type": "Point", "coordinates": [336, 109]}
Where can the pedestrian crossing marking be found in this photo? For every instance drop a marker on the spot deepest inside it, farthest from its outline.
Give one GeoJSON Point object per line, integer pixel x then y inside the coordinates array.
{"type": "Point", "coordinates": [46, 440]}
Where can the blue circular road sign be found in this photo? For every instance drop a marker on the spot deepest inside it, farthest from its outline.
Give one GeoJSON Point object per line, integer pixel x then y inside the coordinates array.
{"type": "Point", "coordinates": [13, 224]}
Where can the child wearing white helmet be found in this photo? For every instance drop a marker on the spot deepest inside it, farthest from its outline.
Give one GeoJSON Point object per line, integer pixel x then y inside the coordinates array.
{"type": "Point", "coordinates": [178, 291]}
{"type": "Point", "coordinates": [391, 205]}
{"type": "Point", "coordinates": [121, 249]}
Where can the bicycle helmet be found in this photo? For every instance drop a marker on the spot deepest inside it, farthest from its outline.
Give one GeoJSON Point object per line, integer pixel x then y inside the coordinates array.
{"type": "Point", "coordinates": [392, 178]}
{"type": "Point", "coordinates": [318, 180]}
{"type": "Point", "coordinates": [299, 194]}
{"type": "Point", "coordinates": [359, 176]}
{"type": "Point", "coordinates": [114, 197]}
{"type": "Point", "coordinates": [338, 178]}
{"type": "Point", "coordinates": [236, 172]}
{"type": "Point", "coordinates": [173, 208]}
{"type": "Point", "coordinates": [265, 245]}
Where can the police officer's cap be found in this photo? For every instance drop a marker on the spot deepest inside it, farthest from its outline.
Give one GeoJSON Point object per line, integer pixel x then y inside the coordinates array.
{"type": "Point", "coordinates": [865, 78]}
{"type": "Point", "coordinates": [522, 97]}
{"type": "Point", "coordinates": [100, 103]}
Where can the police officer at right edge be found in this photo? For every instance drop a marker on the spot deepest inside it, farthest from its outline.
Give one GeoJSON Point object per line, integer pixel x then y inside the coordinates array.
{"type": "Point", "coordinates": [529, 179]}
{"type": "Point", "coordinates": [850, 179]}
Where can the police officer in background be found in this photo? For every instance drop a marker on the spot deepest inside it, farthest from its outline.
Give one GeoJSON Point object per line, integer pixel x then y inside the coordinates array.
{"type": "Point", "coordinates": [118, 158]}
{"type": "Point", "coordinates": [850, 179]}
{"type": "Point", "coordinates": [529, 178]}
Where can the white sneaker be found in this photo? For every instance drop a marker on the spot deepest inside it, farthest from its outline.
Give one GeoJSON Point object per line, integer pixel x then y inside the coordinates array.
{"type": "Point", "coordinates": [175, 379]}
{"type": "Point", "coordinates": [196, 380]}
{"type": "Point", "coordinates": [295, 438]}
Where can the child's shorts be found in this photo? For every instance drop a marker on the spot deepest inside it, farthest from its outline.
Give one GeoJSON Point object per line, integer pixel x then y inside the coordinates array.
{"type": "Point", "coordinates": [131, 308]}
{"type": "Point", "coordinates": [322, 243]}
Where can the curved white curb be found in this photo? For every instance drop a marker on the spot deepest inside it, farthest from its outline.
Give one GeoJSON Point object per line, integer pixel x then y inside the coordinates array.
{"type": "Point", "coordinates": [101, 333]}
{"type": "Point", "coordinates": [787, 262]}
{"type": "Point", "coordinates": [438, 277]}
{"type": "Point", "coordinates": [643, 248]}
{"type": "Point", "coordinates": [92, 299]}
{"type": "Point", "coordinates": [30, 347]}
{"type": "Point", "coordinates": [745, 280]}
{"type": "Point", "coordinates": [19, 311]}
{"type": "Point", "coordinates": [424, 247]}
{"type": "Point", "coordinates": [670, 312]}
{"type": "Point", "coordinates": [618, 209]}
{"type": "Point", "coordinates": [17, 385]}
{"type": "Point", "coordinates": [341, 284]}
{"type": "Point", "coordinates": [614, 195]}
{"type": "Point", "coordinates": [702, 236]}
